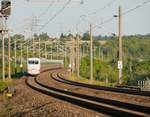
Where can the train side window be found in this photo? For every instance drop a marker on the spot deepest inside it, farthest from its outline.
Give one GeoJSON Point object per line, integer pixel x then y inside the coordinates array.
{"type": "Point", "coordinates": [36, 62]}
{"type": "Point", "coordinates": [31, 62]}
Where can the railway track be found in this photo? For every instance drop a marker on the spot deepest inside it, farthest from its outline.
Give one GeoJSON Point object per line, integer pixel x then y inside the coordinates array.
{"type": "Point", "coordinates": [109, 107]}
{"type": "Point", "coordinates": [126, 90]}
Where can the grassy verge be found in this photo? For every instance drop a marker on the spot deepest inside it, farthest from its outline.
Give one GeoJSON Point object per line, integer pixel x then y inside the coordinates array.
{"type": "Point", "coordinates": [87, 81]}
{"type": "Point", "coordinates": [3, 86]}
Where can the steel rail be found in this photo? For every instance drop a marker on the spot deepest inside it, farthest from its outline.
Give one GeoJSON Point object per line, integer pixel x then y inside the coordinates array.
{"type": "Point", "coordinates": [106, 109]}
{"type": "Point", "coordinates": [106, 88]}
{"type": "Point", "coordinates": [134, 107]}
{"type": "Point", "coordinates": [106, 106]}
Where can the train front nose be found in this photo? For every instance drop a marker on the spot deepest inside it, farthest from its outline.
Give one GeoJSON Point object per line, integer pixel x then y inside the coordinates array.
{"type": "Point", "coordinates": [34, 71]}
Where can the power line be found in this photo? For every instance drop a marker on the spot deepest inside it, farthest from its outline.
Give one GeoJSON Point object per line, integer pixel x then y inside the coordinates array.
{"type": "Point", "coordinates": [94, 13]}
{"type": "Point", "coordinates": [102, 8]}
{"type": "Point", "coordinates": [104, 22]}
{"type": "Point", "coordinates": [55, 15]}
{"type": "Point", "coordinates": [127, 12]}
{"type": "Point", "coordinates": [136, 7]}
{"type": "Point", "coordinates": [46, 10]}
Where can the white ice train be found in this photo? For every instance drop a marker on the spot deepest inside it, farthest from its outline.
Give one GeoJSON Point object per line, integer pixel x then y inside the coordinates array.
{"type": "Point", "coordinates": [33, 66]}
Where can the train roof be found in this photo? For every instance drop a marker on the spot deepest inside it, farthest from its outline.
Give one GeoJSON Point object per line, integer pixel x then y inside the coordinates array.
{"type": "Point", "coordinates": [33, 59]}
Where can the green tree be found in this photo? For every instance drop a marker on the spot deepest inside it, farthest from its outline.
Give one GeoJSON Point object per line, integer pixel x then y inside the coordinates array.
{"type": "Point", "coordinates": [86, 36]}
{"type": "Point", "coordinates": [44, 36]}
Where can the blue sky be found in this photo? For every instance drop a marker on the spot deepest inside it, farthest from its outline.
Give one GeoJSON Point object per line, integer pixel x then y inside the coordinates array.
{"type": "Point", "coordinates": [76, 17]}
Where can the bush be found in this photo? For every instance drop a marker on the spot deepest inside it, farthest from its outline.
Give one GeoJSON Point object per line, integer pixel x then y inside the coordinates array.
{"type": "Point", "coordinates": [3, 85]}
{"type": "Point", "coordinates": [102, 70]}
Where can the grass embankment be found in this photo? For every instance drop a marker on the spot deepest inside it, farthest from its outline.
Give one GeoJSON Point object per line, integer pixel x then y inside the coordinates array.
{"type": "Point", "coordinates": [3, 86]}
{"type": "Point", "coordinates": [87, 81]}
{"type": "Point", "coordinates": [4, 102]}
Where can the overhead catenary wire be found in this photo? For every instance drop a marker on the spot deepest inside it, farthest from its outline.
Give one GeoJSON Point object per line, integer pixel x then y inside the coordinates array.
{"type": "Point", "coordinates": [46, 10]}
{"type": "Point", "coordinates": [136, 7]}
{"type": "Point", "coordinates": [55, 15]}
{"type": "Point", "coordinates": [94, 12]}
{"type": "Point", "coordinates": [125, 13]}
{"type": "Point", "coordinates": [102, 8]}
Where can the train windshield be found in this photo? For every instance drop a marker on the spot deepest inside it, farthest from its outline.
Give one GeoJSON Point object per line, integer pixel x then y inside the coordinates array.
{"type": "Point", "coordinates": [33, 62]}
